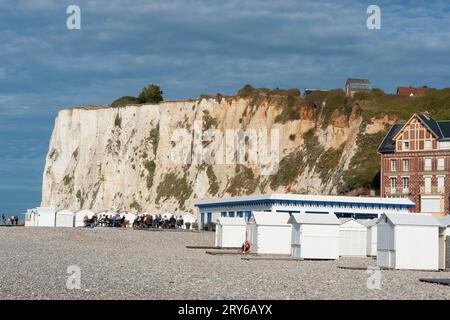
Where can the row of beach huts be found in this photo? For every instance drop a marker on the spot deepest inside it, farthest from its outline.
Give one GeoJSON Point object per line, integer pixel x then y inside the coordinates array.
{"type": "Point", "coordinates": [397, 240]}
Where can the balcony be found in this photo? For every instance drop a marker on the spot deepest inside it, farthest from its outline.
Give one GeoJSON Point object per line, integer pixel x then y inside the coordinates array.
{"type": "Point", "coordinates": [402, 191]}
{"type": "Point", "coordinates": [433, 190]}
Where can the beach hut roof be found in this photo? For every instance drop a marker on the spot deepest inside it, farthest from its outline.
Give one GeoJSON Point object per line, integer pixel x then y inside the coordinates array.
{"type": "Point", "coordinates": [411, 219]}
{"type": "Point", "coordinates": [65, 212]}
{"type": "Point", "coordinates": [228, 221]}
{"type": "Point", "coordinates": [85, 211]}
{"type": "Point", "coordinates": [369, 223]}
{"type": "Point", "coordinates": [351, 223]}
{"type": "Point", "coordinates": [445, 220]}
{"type": "Point", "coordinates": [270, 219]}
{"type": "Point", "coordinates": [312, 218]}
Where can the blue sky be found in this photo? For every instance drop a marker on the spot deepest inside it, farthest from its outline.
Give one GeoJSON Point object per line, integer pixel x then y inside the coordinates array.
{"type": "Point", "coordinates": [192, 47]}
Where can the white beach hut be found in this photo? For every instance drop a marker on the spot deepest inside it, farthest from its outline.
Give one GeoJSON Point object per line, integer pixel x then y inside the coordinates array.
{"type": "Point", "coordinates": [269, 233]}
{"type": "Point", "coordinates": [188, 218]}
{"type": "Point", "coordinates": [65, 218]}
{"type": "Point", "coordinates": [371, 226]}
{"type": "Point", "coordinates": [315, 236]}
{"type": "Point", "coordinates": [408, 241]}
{"type": "Point", "coordinates": [444, 243]}
{"type": "Point", "coordinates": [353, 238]}
{"type": "Point", "coordinates": [45, 217]}
{"type": "Point", "coordinates": [79, 217]}
{"type": "Point", "coordinates": [230, 232]}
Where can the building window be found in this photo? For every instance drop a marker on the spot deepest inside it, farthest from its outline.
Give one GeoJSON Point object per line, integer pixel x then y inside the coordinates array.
{"type": "Point", "coordinates": [393, 183]}
{"type": "Point", "coordinates": [405, 164]}
{"type": "Point", "coordinates": [428, 145]}
{"type": "Point", "coordinates": [441, 164]}
{"type": "Point", "coordinates": [405, 145]}
{"type": "Point", "coordinates": [427, 164]}
{"type": "Point", "coordinates": [393, 165]}
{"type": "Point", "coordinates": [405, 184]}
{"type": "Point", "coordinates": [427, 184]}
{"type": "Point", "coordinates": [441, 186]}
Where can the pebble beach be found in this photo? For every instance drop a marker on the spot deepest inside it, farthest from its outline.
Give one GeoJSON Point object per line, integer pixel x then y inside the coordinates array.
{"type": "Point", "coordinates": [139, 264]}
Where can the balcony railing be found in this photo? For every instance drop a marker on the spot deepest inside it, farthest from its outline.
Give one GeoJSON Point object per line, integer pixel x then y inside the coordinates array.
{"type": "Point", "coordinates": [432, 190]}
{"type": "Point", "coordinates": [391, 190]}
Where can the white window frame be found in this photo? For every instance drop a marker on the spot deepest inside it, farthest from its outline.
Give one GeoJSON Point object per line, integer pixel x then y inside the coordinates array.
{"type": "Point", "coordinates": [442, 165]}
{"type": "Point", "coordinates": [394, 167]}
{"type": "Point", "coordinates": [425, 179]}
{"type": "Point", "coordinates": [428, 145]}
{"type": "Point", "coordinates": [441, 187]}
{"type": "Point", "coordinates": [406, 168]}
{"type": "Point", "coordinates": [405, 188]}
{"type": "Point", "coordinates": [425, 167]}
{"type": "Point", "coordinates": [404, 145]}
{"type": "Point", "coordinates": [393, 183]}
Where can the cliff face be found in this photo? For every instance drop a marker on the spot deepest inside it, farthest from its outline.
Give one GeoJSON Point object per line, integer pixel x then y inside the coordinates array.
{"type": "Point", "coordinates": [123, 158]}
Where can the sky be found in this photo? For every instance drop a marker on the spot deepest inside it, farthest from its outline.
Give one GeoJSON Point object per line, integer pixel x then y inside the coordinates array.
{"type": "Point", "coordinates": [193, 47]}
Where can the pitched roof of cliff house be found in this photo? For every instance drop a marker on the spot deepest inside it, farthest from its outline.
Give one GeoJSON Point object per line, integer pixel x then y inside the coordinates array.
{"type": "Point", "coordinates": [440, 129]}
{"type": "Point", "coordinates": [412, 91]}
{"type": "Point", "coordinates": [358, 84]}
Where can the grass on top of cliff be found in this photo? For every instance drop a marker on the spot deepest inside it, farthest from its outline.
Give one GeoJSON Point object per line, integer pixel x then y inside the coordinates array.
{"type": "Point", "coordinates": [327, 105]}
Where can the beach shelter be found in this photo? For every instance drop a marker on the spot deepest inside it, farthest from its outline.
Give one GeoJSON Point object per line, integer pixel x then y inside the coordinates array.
{"type": "Point", "coordinates": [188, 218]}
{"type": "Point", "coordinates": [107, 213]}
{"type": "Point", "coordinates": [353, 238]}
{"type": "Point", "coordinates": [315, 236]}
{"type": "Point", "coordinates": [129, 216]}
{"type": "Point", "coordinates": [45, 217]}
{"type": "Point", "coordinates": [65, 218]}
{"type": "Point", "coordinates": [31, 218]}
{"type": "Point", "coordinates": [371, 226]}
{"type": "Point", "coordinates": [79, 216]}
{"type": "Point", "coordinates": [230, 232]}
{"type": "Point", "coordinates": [408, 241]}
{"type": "Point", "coordinates": [269, 233]}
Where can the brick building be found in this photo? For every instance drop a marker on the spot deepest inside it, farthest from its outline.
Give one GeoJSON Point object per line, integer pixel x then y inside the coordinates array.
{"type": "Point", "coordinates": [415, 163]}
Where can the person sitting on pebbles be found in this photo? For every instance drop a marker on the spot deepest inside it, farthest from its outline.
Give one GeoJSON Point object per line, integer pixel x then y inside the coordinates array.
{"type": "Point", "coordinates": [246, 247]}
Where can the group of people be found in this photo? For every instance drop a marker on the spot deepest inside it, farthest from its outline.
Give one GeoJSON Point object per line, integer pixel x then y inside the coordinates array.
{"type": "Point", "coordinates": [13, 220]}
{"type": "Point", "coordinates": [104, 220]}
{"type": "Point", "coordinates": [148, 221]}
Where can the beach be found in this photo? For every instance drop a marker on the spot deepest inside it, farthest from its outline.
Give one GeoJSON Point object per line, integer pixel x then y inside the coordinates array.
{"type": "Point", "coordinates": [116, 263]}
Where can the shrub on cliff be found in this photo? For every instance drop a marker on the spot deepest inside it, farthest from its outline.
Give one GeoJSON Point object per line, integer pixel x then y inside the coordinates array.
{"type": "Point", "coordinates": [151, 94]}
{"type": "Point", "coordinates": [124, 101]}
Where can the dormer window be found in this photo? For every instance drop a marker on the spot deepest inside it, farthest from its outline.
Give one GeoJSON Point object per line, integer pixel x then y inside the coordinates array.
{"type": "Point", "coordinates": [405, 145]}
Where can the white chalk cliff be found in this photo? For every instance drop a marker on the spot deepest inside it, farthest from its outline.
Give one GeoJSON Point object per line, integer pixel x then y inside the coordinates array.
{"type": "Point", "coordinates": [120, 158]}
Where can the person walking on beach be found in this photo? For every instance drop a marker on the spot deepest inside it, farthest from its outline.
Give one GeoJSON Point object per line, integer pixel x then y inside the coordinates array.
{"type": "Point", "coordinates": [3, 218]}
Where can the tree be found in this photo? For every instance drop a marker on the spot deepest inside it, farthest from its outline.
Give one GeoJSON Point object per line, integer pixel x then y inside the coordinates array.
{"type": "Point", "coordinates": [151, 94]}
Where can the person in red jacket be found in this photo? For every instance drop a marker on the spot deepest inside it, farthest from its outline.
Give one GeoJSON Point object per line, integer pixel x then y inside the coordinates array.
{"type": "Point", "coordinates": [246, 247]}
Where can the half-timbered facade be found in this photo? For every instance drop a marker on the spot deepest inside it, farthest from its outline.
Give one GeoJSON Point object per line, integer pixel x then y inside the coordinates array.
{"type": "Point", "coordinates": [415, 163]}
